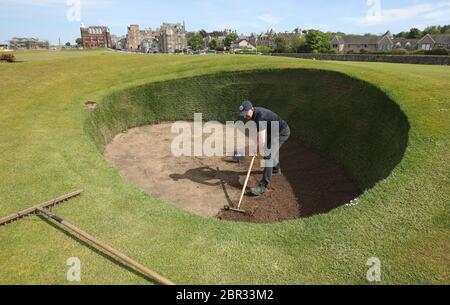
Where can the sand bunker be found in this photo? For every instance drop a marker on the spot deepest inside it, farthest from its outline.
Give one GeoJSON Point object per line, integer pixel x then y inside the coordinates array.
{"type": "Point", "coordinates": [310, 184]}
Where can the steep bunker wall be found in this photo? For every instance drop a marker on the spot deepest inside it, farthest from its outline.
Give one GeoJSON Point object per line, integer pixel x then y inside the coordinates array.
{"type": "Point", "coordinates": [349, 120]}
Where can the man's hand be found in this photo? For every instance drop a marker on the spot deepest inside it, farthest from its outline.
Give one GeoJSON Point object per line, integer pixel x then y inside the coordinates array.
{"type": "Point", "coordinates": [262, 141]}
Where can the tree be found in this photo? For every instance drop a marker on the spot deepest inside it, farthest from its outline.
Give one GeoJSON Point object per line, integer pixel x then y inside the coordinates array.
{"type": "Point", "coordinates": [432, 30]}
{"type": "Point", "coordinates": [230, 39]}
{"type": "Point", "coordinates": [333, 51]}
{"type": "Point", "coordinates": [332, 34]}
{"type": "Point", "coordinates": [220, 48]}
{"type": "Point", "coordinates": [445, 29]}
{"type": "Point", "coordinates": [79, 41]}
{"type": "Point", "coordinates": [414, 33]}
{"type": "Point", "coordinates": [213, 44]}
{"type": "Point", "coordinates": [316, 40]}
{"type": "Point", "coordinates": [68, 44]}
{"type": "Point", "coordinates": [203, 33]}
{"type": "Point", "coordinates": [217, 33]}
{"type": "Point", "coordinates": [281, 44]}
{"type": "Point", "coordinates": [298, 44]}
{"type": "Point", "coordinates": [264, 50]}
{"type": "Point", "coordinates": [196, 42]}
{"type": "Point", "coordinates": [401, 35]}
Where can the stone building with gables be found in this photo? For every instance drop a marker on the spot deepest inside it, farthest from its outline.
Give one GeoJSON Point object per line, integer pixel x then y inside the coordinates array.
{"type": "Point", "coordinates": [431, 42]}
{"type": "Point", "coordinates": [169, 38]}
{"type": "Point", "coordinates": [386, 42]}
{"type": "Point", "coordinates": [173, 37]}
{"type": "Point", "coordinates": [242, 44]}
{"type": "Point", "coordinates": [143, 41]}
{"type": "Point", "coordinates": [357, 43]}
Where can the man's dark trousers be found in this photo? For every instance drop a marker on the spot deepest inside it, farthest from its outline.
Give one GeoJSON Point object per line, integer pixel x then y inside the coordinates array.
{"type": "Point", "coordinates": [268, 171]}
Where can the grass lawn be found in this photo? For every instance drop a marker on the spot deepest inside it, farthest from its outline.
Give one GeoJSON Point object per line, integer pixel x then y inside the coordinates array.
{"type": "Point", "coordinates": [50, 145]}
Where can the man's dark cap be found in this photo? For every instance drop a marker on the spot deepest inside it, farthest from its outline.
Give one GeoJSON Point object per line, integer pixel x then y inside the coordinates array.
{"type": "Point", "coordinates": [245, 107]}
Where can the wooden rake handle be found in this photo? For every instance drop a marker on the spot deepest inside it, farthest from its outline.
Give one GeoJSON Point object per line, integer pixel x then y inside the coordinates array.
{"type": "Point", "coordinates": [155, 276]}
{"type": "Point", "coordinates": [246, 182]}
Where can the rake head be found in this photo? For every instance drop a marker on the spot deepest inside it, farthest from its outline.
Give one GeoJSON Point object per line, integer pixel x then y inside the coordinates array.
{"type": "Point", "coordinates": [46, 205]}
{"type": "Point", "coordinates": [228, 208]}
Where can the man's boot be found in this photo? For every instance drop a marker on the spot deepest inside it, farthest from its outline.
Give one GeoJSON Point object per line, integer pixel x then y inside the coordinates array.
{"type": "Point", "coordinates": [259, 190]}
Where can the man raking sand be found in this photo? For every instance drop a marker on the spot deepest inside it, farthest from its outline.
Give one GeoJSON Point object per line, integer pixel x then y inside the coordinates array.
{"type": "Point", "coordinates": [265, 119]}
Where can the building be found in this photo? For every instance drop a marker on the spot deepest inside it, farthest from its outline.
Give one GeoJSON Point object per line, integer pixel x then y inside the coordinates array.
{"type": "Point", "coordinates": [169, 38]}
{"type": "Point", "coordinates": [386, 42]}
{"type": "Point", "coordinates": [95, 37]}
{"type": "Point", "coordinates": [151, 41]}
{"type": "Point", "coordinates": [144, 41]}
{"type": "Point", "coordinates": [218, 36]}
{"type": "Point", "coordinates": [356, 43]}
{"type": "Point", "coordinates": [18, 43]}
{"type": "Point", "coordinates": [295, 33]}
{"type": "Point", "coordinates": [290, 36]}
{"type": "Point", "coordinates": [265, 40]}
{"type": "Point", "coordinates": [173, 37]}
{"type": "Point", "coordinates": [431, 42]}
{"type": "Point", "coordinates": [133, 38]}
{"type": "Point", "coordinates": [118, 42]}
{"type": "Point", "coordinates": [4, 47]}
{"type": "Point", "coordinates": [407, 44]}
{"type": "Point", "coordinates": [242, 44]}
{"type": "Point", "coordinates": [299, 31]}
{"type": "Point", "coordinates": [268, 39]}
{"type": "Point", "coordinates": [253, 39]}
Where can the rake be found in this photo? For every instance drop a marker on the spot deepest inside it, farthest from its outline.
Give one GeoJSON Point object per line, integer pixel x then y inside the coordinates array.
{"type": "Point", "coordinates": [238, 209]}
{"type": "Point", "coordinates": [42, 209]}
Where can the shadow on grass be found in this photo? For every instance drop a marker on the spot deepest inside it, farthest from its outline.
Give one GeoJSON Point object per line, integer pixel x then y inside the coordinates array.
{"type": "Point", "coordinates": [97, 251]}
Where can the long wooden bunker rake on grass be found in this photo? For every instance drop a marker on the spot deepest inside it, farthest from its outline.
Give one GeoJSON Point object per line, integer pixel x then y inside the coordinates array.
{"type": "Point", "coordinates": [43, 209]}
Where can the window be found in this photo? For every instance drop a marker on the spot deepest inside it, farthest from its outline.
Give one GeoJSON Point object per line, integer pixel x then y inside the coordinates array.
{"type": "Point", "coordinates": [335, 46]}
{"type": "Point", "coordinates": [426, 46]}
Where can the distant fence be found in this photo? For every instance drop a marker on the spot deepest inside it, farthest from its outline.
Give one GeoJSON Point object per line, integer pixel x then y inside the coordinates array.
{"type": "Point", "coordinates": [402, 59]}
